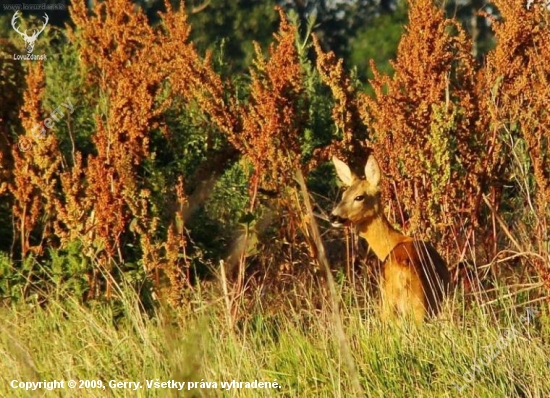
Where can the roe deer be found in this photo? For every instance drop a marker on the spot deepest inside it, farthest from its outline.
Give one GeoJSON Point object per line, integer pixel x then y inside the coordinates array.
{"type": "Point", "coordinates": [414, 276]}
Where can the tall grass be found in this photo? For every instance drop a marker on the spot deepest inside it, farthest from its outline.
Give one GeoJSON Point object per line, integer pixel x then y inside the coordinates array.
{"type": "Point", "coordinates": [296, 348]}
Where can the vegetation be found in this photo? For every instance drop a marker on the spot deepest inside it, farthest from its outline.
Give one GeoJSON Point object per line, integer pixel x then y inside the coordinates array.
{"type": "Point", "coordinates": [69, 341]}
{"type": "Point", "coordinates": [152, 224]}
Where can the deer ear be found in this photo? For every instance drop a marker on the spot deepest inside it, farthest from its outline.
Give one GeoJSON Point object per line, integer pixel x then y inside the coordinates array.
{"type": "Point", "coordinates": [372, 172]}
{"type": "Point", "coordinates": [343, 171]}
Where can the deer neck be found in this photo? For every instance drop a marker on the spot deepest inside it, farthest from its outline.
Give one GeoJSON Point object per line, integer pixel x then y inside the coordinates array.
{"type": "Point", "coordinates": [380, 235]}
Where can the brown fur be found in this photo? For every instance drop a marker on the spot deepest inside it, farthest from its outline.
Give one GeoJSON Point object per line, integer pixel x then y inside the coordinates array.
{"type": "Point", "coordinates": [415, 278]}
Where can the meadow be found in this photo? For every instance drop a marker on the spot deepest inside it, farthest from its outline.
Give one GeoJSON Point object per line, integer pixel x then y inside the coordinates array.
{"type": "Point", "coordinates": [466, 352]}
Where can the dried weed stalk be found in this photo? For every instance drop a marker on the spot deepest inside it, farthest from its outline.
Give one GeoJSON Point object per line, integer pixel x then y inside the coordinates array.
{"type": "Point", "coordinates": [423, 123]}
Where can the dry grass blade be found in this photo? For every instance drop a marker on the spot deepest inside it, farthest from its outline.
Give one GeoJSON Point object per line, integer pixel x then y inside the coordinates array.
{"type": "Point", "coordinates": [323, 261]}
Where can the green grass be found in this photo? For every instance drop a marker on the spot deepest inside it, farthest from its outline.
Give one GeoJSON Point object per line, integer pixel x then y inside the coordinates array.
{"type": "Point", "coordinates": [297, 348]}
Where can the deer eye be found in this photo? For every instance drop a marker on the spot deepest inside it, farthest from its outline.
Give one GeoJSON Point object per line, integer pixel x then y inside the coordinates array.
{"type": "Point", "coordinates": [359, 198]}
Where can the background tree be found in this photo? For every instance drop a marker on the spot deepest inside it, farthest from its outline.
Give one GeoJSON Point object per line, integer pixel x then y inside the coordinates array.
{"type": "Point", "coordinates": [470, 14]}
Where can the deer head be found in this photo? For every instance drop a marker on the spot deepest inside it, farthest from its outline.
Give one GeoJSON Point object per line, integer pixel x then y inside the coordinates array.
{"type": "Point", "coordinates": [29, 40]}
{"type": "Point", "coordinates": [360, 202]}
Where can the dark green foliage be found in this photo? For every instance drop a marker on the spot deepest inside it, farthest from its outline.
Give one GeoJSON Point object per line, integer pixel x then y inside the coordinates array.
{"type": "Point", "coordinates": [378, 41]}
{"type": "Point", "coordinates": [233, 26]}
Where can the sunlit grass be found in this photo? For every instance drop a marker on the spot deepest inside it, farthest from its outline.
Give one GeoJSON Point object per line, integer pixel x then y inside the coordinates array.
{"type": "Point", "coordinates": [296, 349]}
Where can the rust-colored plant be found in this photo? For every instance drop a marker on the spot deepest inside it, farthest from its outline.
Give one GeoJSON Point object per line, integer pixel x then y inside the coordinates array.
{"type": "Point", "coordinates": [517, 96]}
{"type": "Point", "coordinates": [37, 162]}
{"type": "Point", "coordinates": [273, 118]}
{"type": "Point", "coordinates": [345, 112]}
{"type": "Point", "coordinates": [266, 129]}
{"type": "Point", "coordinates": [105, 200]}
{"type": "Point", "coordinates": [423, 126]}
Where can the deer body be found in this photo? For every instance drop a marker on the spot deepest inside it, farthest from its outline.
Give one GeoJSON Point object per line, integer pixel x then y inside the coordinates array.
{"type": "Point", "coordinates": [415, 278]}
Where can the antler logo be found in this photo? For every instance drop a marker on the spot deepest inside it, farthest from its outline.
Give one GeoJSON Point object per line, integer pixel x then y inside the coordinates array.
{"type": "Point", "coordinates": [29, 40]}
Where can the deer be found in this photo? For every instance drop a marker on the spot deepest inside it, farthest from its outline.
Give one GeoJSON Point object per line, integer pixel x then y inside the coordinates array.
{"type": "Point", "coordinates": [414, 277]}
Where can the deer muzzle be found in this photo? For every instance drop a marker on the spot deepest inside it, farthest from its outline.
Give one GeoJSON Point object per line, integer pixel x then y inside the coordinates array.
{"type": "Point", "coordinates": [337, 221]}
